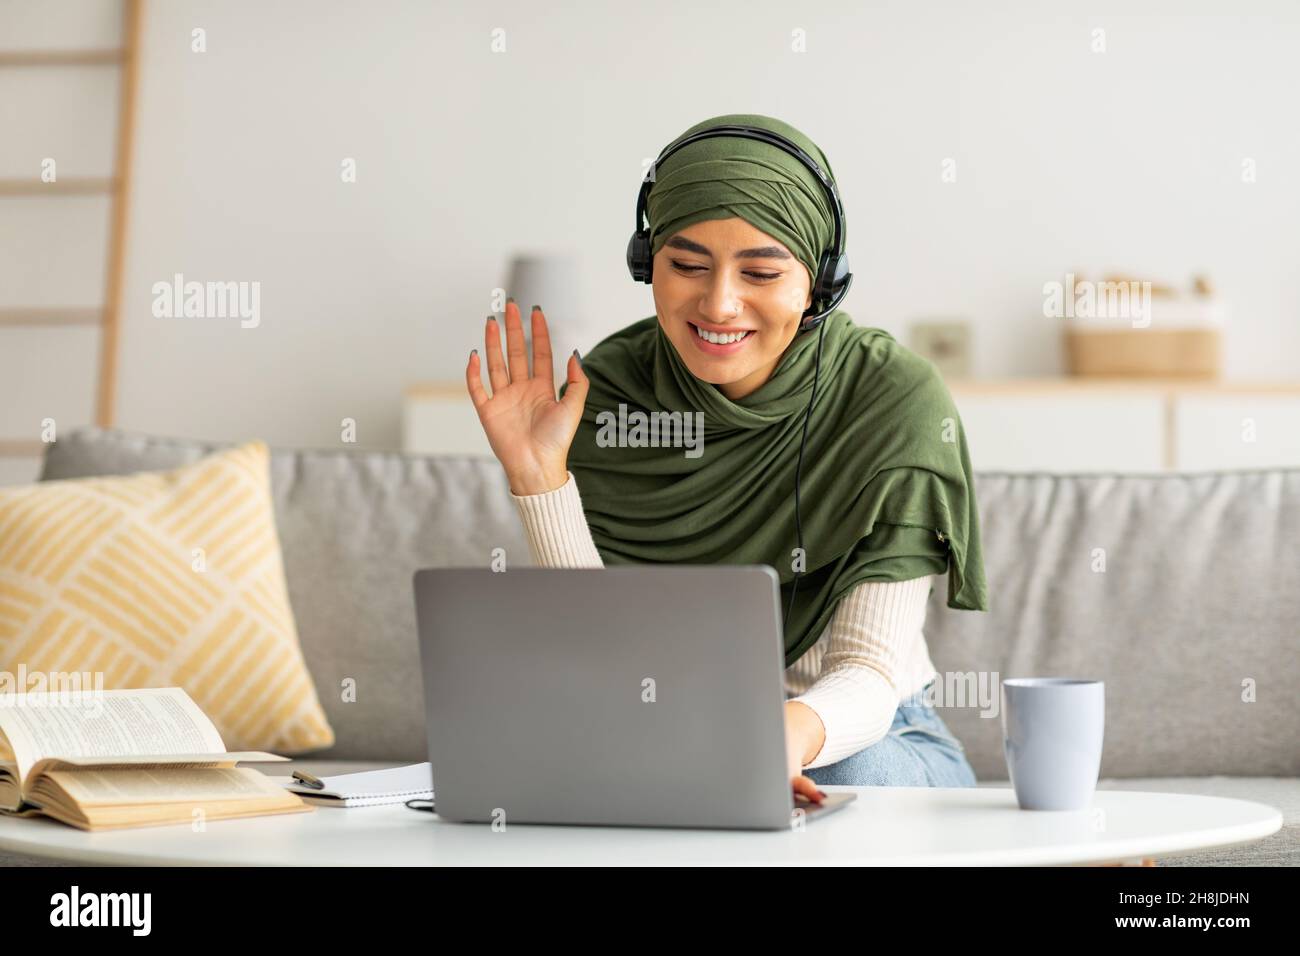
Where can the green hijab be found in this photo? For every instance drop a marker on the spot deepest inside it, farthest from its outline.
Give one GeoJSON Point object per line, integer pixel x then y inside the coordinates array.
{"type": "Point", "coordinates": [887, 488]}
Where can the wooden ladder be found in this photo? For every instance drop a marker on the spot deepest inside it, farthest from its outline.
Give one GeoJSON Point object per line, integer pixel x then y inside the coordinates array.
{"type": "Point", "coordinates": [116, 187]}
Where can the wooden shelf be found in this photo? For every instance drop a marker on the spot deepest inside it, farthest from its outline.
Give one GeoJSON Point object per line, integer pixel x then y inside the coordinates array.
{"type": "Point", "coordinates": [39, 317]}
{"type": "Point", "coordinates": [61, 57]}
{"type": "Point", "coordinates": [20, 448]}
{"type": "Point", "coordinates": [76, 186]}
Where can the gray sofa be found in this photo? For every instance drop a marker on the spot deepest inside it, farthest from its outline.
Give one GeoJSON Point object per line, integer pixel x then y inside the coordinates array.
{"type": "Point", "coordinates": [1199, 600]}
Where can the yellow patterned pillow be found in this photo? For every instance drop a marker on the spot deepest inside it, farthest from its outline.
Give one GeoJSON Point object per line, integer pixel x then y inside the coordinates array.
{"type": "Point", "coordinates": [161, 579]}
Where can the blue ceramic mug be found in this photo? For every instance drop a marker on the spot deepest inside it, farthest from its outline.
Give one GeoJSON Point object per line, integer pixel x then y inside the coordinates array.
{"type": "Point", "coordinates": [1052, 729]}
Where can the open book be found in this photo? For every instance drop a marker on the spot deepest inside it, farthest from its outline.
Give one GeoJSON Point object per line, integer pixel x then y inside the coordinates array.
{"type": "Point", "coordinates": [126, 758]}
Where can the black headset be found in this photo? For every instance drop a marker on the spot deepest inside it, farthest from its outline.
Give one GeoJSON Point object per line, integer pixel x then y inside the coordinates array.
{"type": "Point", "coordinates": [829, 288]}
{"type": "Point", "coordinates": [833, 277]}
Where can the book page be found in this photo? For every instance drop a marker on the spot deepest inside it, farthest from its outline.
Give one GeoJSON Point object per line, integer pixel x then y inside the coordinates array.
{"type": "Point", "coordinates": [107, 723]}
{"type": "Point", "coordinates": [163, 785]}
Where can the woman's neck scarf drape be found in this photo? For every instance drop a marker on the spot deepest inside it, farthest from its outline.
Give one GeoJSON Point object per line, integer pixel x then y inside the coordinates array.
{"type": "Point", "coordinates": [672, 471]}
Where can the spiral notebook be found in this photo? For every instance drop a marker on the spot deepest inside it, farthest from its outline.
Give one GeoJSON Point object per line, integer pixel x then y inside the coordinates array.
{"type": "Point", "coordinates": [368, 789]}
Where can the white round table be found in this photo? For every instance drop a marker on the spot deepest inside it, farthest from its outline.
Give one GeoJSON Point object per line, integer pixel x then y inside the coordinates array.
{"type": "Point", "coordinates": [885, 826]}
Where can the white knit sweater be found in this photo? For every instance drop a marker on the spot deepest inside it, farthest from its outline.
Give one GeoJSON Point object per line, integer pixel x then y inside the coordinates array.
{"type": "Point", "coordinates": [871, 656]}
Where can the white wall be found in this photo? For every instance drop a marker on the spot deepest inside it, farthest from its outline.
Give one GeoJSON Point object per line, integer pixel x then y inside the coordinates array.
{"type": "Point", "coordinates": [1066, 160]}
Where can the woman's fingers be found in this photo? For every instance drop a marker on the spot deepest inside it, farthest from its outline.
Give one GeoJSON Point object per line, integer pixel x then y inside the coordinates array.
{"type": "Point", "coordinates": [514, 365]}
{"type": "Point", "coordinates": [575, 393]}
{"type": "Point", "coordinates": [474, 380]}
{"type": "Point", "coordinates": [542, 350]}
{"type": "Point", "coordinates": [518, 355]}
{"type": "Point", "coordinates": [496, 364]}
{"type": "Point", "coordinates": [805, 786]}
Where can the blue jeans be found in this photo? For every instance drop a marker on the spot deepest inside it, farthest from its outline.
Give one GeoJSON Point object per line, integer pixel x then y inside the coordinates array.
{"type": "Point", "coordinates": [918, 751]}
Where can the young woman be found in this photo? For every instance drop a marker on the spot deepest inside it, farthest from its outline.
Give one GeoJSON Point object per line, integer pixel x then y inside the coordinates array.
{"type": "Point", "coordinates": [738, 228]}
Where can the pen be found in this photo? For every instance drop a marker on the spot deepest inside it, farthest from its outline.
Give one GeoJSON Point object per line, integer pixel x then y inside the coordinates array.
{"type": "Point", "coordinates": [308, 780]}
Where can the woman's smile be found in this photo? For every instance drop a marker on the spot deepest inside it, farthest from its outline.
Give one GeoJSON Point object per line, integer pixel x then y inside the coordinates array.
{"type": "Point", "coordinates": [719, 340]}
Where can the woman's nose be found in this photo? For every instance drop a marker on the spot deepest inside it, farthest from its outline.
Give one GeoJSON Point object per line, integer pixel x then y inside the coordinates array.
{"type": "Point", "coordinates": [721, 301]}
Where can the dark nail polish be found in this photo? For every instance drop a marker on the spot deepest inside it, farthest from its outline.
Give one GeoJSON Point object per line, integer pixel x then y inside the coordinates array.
{"type": "Point", "coordinates": [537, 308]}
{"type": "Point", "coordinates": [509, 299]}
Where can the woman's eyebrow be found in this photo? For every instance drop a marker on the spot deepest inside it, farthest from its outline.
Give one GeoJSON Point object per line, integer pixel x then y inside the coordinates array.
{"type": "Point", "coordinates": [761, 252]}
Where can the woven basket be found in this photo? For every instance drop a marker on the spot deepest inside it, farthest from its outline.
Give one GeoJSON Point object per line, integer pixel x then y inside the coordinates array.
{"type": "Point", "coordinates": [1193, 353]}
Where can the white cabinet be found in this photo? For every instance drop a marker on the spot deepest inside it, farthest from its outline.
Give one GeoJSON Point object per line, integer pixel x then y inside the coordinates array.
{"type": "Point", "coordinates": [1063, 433]}
{"type": "Point", "coordinates": [439, 419]}
{"type": "Point", "coordinates": [1256, 430]}
{"type": "Point", "coordinates": [1128, 425]}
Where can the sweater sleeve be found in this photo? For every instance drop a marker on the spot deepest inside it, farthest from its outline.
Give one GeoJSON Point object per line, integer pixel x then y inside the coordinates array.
{"type": "Point", "coordinates": [557, 530]}
{"type": "Point", "coordinates": [856, 693]}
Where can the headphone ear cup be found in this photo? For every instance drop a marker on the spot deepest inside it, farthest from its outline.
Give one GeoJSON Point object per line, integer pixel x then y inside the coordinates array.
{"type": "Point", "coordinates": [639, 261]}
{"type": "Point", "coordinates": [835, 270]}
{"type": "Point", "coordinates": [832, 277]}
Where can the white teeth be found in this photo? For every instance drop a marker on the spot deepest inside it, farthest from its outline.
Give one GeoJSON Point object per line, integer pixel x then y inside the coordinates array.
{"type": "Point", "coordinates": [717, 339]}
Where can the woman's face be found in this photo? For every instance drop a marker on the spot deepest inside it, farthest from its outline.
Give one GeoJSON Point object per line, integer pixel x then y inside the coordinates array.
{"type": "Point", "coordinates": [724, 276]}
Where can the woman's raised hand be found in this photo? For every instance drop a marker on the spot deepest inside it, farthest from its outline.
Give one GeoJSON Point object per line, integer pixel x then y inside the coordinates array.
{"type": "Point", "coordinates": [530, 431]}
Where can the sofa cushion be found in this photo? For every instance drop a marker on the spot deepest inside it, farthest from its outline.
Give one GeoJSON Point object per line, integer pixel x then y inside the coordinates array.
{"type": "Point", "coordinates": [354, 527]}
{"type": "Point", "coordinates": [168, 578]}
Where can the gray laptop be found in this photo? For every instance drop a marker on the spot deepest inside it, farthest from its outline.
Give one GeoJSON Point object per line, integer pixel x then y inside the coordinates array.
{"type": "Point", "coordinates": [635, 695]}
